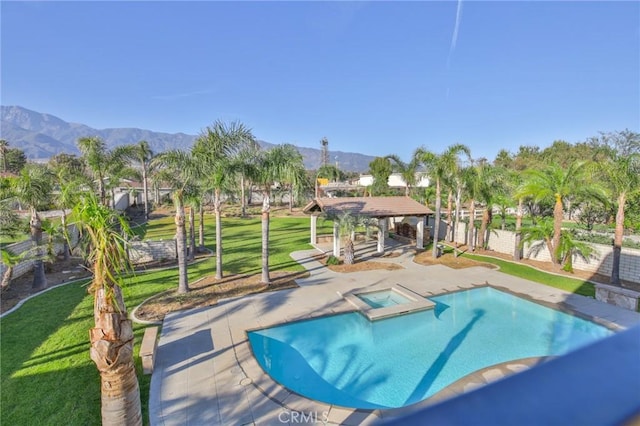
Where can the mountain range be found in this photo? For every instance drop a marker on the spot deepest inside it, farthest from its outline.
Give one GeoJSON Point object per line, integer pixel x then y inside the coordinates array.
{"type": "Point", "coordinates": [42, 136]}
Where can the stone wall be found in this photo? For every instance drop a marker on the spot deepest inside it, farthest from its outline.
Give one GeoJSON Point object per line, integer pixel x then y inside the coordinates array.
{"type": "Point", "coordinates": [152, 251]}
{"type": "Point", "coordinates": [22, 246]}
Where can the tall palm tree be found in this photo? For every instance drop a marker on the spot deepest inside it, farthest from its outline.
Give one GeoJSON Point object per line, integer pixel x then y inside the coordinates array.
{"type": "Point", "coordinates": [472, 176]}
{"type": "Point", "coordinates": [273, 166]}
{"type": "Point", "coordinates": [181, 170]}
{"type": "Point", "coordinates": [112, 335]}
{"type": "Point", "coordinates": [95, 154]}
{"type": "Point", "coordinates": [141, 154]}
{"type": "Point", "coordinates": [556, 182]}
{"type": "Point", "coordinates": [215, 150]}
{"type": "Point", "coordinates": [623, 180]}
{"type": "Point", "coordinates": [439, 167]}
{"type": "Point", "coordinates": [492, 188]}
{"type": "Point", "coordinates": [32, 187]}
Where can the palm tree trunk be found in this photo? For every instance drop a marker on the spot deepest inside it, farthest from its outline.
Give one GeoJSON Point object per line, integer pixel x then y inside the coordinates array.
{"type": "Point", "coordinates": [472, 224]}
{"type": "Point", "coordinates": [517, 250]}
{"type": "Point", "coordinates": [145, 189]}
{"type": "Point", "coordinates": [39, 277]}
{"type": "Point", "coordinates": [436, 225]}
{"type": "Point", "coordinates": [457, 215]}
{"type": "Point", "coordinates": [65, 234]}
{"type": "Point", "coordinates": [243, 202]}
{"type": "Point", "coordinates": [192, 235]}
{"type": "Point", "coordinates": [449, 217]}
{"type": "Point", "coordinates": [265, 238]}
{"type": "Point", "coordinates": [217, 207]}
{"type": "Point", "coordinates": [349, 252]}
{"type": "Point", "coordinates": [181, 246]}
{"type": "Point", "coordinates": [482, 234]}
{"type": "Point", "coordinates": [291, 199]}
{"type": "Point", "coordinates": [201, 226]}
{"type": "Point", "coordinates": [617, 240]}
{"type": "Point", "coordinates": [112, 352]}
{"type": "Point", "coordinates": [6, 278]}
{"type": "Point", "coordinates": [557, 230]}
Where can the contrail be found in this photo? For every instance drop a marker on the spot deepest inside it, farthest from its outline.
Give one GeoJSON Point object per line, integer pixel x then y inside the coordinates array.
{"type": "Point", "coordinates": [454, 37]}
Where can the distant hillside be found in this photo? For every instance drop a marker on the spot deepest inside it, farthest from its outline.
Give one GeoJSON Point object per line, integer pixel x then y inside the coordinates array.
{"type": "Point", "coordinates": [41, 136]}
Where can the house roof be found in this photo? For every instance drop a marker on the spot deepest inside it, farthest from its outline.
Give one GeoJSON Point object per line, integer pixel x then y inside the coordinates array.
{"type": "Point", "coordinates": [368, 206]}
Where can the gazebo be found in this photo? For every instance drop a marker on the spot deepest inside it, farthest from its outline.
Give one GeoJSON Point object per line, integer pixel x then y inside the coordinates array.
{"type": "Point", "coordinates": [380, 208]}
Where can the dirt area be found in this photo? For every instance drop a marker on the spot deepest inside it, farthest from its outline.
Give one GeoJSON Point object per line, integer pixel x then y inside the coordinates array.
{"type": "Point", "coordinates": [207, 291]}
{"type": "Point", "coordinates": [57, 273]}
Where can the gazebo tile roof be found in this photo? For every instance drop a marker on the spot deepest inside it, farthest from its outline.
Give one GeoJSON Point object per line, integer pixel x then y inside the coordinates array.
{"type": "Point", "coordinates": [369, 206]}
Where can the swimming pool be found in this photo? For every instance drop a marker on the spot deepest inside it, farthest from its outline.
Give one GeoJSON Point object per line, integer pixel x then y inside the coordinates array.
{"type": "Point", "coordinates": [349, 361]}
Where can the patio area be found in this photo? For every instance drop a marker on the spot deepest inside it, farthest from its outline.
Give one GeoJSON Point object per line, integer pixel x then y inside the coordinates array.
{"type": "Point", "coordinates": [205, 372]}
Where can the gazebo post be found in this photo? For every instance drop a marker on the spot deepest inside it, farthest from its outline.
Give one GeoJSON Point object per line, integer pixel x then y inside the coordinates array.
{"type": "Point", "coordinates": [420, 233]}
{"type": "Point", "coordinates": [336, 239]}
{"type": "Point", "coordinates": [314, 229]}
{"type": "Point", "coordinates": [382, 232]}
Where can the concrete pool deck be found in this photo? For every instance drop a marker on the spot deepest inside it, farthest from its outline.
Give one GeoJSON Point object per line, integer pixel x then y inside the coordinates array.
{"type": "Point", "coordinates": [205, 372]}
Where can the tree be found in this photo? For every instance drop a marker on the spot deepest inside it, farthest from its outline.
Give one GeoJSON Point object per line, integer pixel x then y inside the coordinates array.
{"type": "Point", "coordinates": [556, 183]}
{"type": "Point", "coordinates": [95, 154]}
{"type": "Point", "coordinates": [32, 187]}
{"type": "Point", "coordinates": [347, 225]}
{"type": "Point", "coordinates": [273, 166]}
{"type": "Point", "coordinates": [105, 232]}
{"type": "Point", "coordinates": [439, 167]}
{"type": "Point", "coordinates": [141, 154]}
{"type": "Point", "coordinates": [492, 187]}
{"type": "Point", "coordinates": [181, 170]}
{"type": "Point", "coordinates": [380, 168]}
{"type": "Point", "coordinates": [4, 147]}
{"type": "Point", "coordinates": [215, 150]}
{"type": "Point", "coordinates": [406, 170]}
{"type": "Point", "coordinates": [622, 172]}
{"type": "Point", "coordinates": [16, 160]}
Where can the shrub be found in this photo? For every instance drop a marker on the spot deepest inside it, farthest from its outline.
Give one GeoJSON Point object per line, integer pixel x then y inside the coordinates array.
{"type": "Point", "coordinates": [332, 260]}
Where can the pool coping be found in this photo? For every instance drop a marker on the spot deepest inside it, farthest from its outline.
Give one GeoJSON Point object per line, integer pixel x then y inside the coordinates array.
{"type": "Point", "coordinates": [226, 384]}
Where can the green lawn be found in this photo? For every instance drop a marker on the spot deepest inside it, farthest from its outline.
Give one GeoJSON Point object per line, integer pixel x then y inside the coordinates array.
{"type": "Point", "coordinates": [574, 285]}
{"type": "Point", "coordinates": [46, 374]}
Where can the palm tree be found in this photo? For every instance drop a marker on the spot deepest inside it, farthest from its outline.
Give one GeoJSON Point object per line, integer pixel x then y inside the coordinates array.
{"type": "Point", "coordinates": [95, 154]}
{"type": "Point", "coordinates": [556, 182]}
{"type": "Point", "coordinates": [181, 170]}
{"type": "Point", "coordinates": [275, 165]}
{"type": "Point", "coordinates": [141, 154]}
{"type": "Point", "coordinates": [112, 336]}
{"type": "Point", "coordinates": [347, 224]}
{"type": "Point", "coordinates": [215, 150]}
{"type": "Point", "coordinates": [492, 188]}
{"type": "Point", "coordinates": [623, 179]}
{"type": "Point", "coordinates": [406, 170]}
{"type": "Point", "coordinates": [439, 167]}
{"type": "Point", "coordinates": [32, 187]}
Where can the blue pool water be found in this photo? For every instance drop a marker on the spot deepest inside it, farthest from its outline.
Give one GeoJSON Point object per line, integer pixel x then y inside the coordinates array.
{"type": "Point", "coordinates": [383, 298]}
{"type": "Point", "coordinates": [349, 361]}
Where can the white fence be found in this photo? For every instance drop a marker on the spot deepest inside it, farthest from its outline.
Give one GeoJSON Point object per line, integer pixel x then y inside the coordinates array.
{"type": "Point", "coordinates": [601, 261]}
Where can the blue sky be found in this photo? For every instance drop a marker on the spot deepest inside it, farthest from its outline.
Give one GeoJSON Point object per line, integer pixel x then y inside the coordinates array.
{"type": "Point", "coordinates": [373, 77]}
